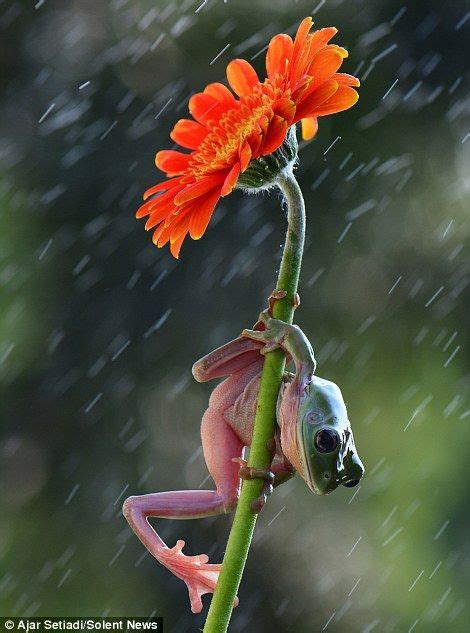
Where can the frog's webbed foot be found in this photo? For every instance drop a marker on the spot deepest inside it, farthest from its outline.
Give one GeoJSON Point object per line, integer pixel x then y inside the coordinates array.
{"type": "Point", "coordinates": [247, 472]}
{"type": "Point", "coordinates": [264, 336]}
{"type": "Point", "coordinates": [199, 575]}
{"type": "Point", "coordinates": [272, 334]}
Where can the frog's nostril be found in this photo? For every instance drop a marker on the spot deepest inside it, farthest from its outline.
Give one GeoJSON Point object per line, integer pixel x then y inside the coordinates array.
{"type": "Point", "coordinates": [351, 483]}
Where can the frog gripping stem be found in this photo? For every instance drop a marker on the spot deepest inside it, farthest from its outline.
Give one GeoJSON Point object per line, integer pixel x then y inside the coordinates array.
{"type": "Point", "coordinates": [281, 307]}
{"type": "Point", "coordinates": [247, 472]}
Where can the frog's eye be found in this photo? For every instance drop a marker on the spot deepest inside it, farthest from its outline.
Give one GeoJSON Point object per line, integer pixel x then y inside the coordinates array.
{"type": "Point", "coordinates": [326, 441]}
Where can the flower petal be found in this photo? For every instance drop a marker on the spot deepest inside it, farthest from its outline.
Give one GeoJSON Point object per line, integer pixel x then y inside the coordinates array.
{"type": "Point", "coordinates": [346, 80]}
{"type": "Point", "coordinates": [189, 134]}
{"type": "Point", "coordinates": [285, 108]}
{"type": "Point", "coordinates": [308, 105]}
{"type": "Point", "coordinates": [204, 107]}
{"type": "Point", "coordinates": [301, 88]}
{"type": "Point", "coordinates": [175, 246]}
{"type": "Point", "coordinates": [325, 63]}
{"type": "Point", "coordinates": [171, 162]}
{"type": "Point", "coordinates": [201, 218]}
{"type": "Point", "coordinates": [199, 188]}
{"type": "Point", "coordinates": [241, 76]}
{"type": "Point", "coordinates": [343, 99]}
{"type": "Point", "coordinates": [162, 186]}
{"type": "Point", "coordinates": [301, 48]}
{"type": "Point", "coordinates": [151, 205]}
{"type": "Point", "coordinates": [279, 54]}
{"type": "Point", "coordinates": [309, 128]}
{"type": "Point", "coordinates": [321, 38]}
{"type": "Point", "coordinates": [244, 154]}
{"type": "Point", "coordinates": [161, 235]}
{"type": "Point", "coordinates": [161, 213]}
{"type": "Point", "coordinates": [231, 180]}
{"type": "Point", "coordinates": [221, 93]}
{"type": "Point", "coordinates": [275, 135]}
{"type": "Point", "coordinates": [255, 140]}
{"type": "Point", "coordinates": [180, 223]}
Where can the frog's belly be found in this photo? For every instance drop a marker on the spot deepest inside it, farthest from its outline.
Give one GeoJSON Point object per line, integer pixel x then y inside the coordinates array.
{"type": "Point", "coordinates": [241, 415]}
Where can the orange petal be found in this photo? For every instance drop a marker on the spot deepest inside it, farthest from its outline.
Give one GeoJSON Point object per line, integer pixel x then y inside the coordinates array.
{"type": "Point", "coordinates": [155, 203]}
{"type": "Point", "coordinates": [324, 65]}
{"type": "Point", "coordinates": [171, 162]}
{"type": "Point", "coordinates": [309, 128]}
{"type": "Point", "coordinates": [199, 188]}
{"type": "Point", "coordinates": [321, 38]}
{"type": "Point", "coordinates": [254, 140]}
{"type": "Point", "coordinates": [244, 154]}
{"type": "Point", "coordinates": [241, 76]}
{"type": "Point", "coordinates": [180, 223]}
{"type": "Point", "coordinates": [275, 135]}
{"type": "Point", "coordinates": [204, 107]}
{"type": "Point", "coordinates": [285, 108]}
{"type": "Point", "coordinates": [308, 105]}
{"type": "Point", "coordinates": [200, 218]}
{"type": "Point", "coordinates": [160, 213]}
{"type": "Point", "coordinates": [161, 235]}
{"type": "Point", "coordinates": [301, 88]}
{"type": "Point", "coordinates": [231, 180]}
{"type": "Point", "coordinates": [188, 133]}
{"type": "Point", "coordinates": [301, 35]}
{"type": "Point", "coordinates": [175, 247]}
{"type": "Point", "coordinates": [344, 98]}
{"type": "Point", "coordinates": [341, 50]}
{"type": "Point", "coordinates": [301, 47]}
{"type": "Point", "coordinates": [346, 80]}
{"type": "Point", "coordinates": [162, 186]}
{"type": "Point", "coordinates": [221, 93]}
{"type": "Point", "coordinates": [279, 54]}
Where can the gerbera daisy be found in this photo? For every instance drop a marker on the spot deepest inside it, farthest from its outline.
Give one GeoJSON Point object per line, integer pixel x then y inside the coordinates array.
{"type": "Point", "coordinates": [228, 133]}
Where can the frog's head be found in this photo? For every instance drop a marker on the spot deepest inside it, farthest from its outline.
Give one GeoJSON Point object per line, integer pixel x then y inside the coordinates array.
{"type": "Point", "coordinates": [324, 439]}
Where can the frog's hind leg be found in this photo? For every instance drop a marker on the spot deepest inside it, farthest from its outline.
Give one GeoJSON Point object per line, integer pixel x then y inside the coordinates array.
{"type": "Point", "coordinates": [241, 361]}
{"type": "Point", "coordinates": [220, 446]}
{"type": "Point", "coordinates": [228, 359]}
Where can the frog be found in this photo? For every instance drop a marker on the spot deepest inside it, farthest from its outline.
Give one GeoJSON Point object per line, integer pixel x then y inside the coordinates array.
{"type": "Point", "coordinates": [313, 438]}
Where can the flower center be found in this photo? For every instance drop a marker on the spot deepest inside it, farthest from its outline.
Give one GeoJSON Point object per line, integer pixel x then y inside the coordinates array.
{"type": "Point", "coordinates": [221, 145]}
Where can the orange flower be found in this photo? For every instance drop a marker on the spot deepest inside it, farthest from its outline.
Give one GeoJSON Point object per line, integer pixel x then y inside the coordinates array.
{"type": "Point", "coordinates": [227, 133]}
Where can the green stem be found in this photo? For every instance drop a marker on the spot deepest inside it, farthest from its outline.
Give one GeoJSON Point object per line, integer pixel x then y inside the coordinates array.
{"type": "Point", "coordinates": [265, 421]}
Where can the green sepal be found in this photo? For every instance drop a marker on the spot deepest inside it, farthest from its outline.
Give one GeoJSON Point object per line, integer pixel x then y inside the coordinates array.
{"type": "Point", "coordinates": [263, 172]}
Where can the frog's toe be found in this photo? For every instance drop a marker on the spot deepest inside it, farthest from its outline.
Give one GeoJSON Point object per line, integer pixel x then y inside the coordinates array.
{"type": "Point", "coordinates": [258, 504]}
{"type": "Point", "coordinates": [199, 575]}
{"type": "Point", "coordinates": [201, 581]}
{"type": "Point", "coordinates": [273, 297]}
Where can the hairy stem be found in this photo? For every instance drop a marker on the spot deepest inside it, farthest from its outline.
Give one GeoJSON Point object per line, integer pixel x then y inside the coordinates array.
{"type": "Point", "coordinates": [265, 421]}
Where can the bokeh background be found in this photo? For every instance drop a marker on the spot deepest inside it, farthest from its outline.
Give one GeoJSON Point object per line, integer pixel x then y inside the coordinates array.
{"type": "Point", "coordinates": [99, 329]}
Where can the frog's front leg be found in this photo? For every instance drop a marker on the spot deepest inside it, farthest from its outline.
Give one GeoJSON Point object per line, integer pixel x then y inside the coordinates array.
{"type": "Point", "coordinates": [220, 446]}
{"type": "Point", "coordinates": [291, 339]}
{"type": "Point", "coordinates": [278, 473]}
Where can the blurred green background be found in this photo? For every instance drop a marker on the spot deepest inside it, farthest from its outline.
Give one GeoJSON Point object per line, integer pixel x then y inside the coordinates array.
{"type": "Point", "coordinates": [99, 329]}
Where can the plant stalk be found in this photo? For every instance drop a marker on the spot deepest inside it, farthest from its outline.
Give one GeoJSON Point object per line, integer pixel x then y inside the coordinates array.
{"type": "Point", "coordinates": [265, 421]}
